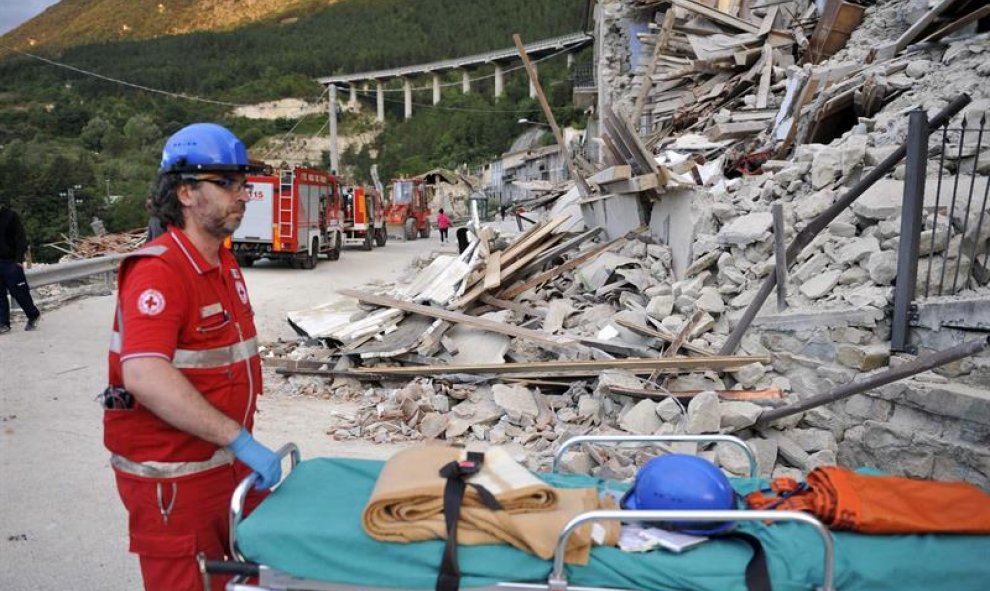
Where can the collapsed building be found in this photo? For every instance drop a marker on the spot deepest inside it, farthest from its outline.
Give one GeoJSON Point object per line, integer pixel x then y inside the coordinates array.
{"type": "Point", "coordinates": [738, 149]}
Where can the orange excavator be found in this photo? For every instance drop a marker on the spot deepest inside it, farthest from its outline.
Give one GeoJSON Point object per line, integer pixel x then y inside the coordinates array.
{"type": "Point", "coordinates": [408, 211]}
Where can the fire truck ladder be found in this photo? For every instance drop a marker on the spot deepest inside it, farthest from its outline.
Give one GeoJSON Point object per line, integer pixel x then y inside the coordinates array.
{"type": "Point", "coordinates": [286, 225]}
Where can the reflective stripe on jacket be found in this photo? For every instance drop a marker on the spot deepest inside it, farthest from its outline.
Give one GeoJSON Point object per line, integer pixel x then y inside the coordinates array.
{"type": "Point", "coordinates": [220, 358]}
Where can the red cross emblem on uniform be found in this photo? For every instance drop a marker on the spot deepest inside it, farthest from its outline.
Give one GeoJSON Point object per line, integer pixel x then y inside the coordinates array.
{"type": "Point", "coordinates": [151, 302]}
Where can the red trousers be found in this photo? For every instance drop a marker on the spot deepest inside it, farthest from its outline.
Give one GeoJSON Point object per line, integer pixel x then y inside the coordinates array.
{"type": "Point", "coordinates": [172, 520]}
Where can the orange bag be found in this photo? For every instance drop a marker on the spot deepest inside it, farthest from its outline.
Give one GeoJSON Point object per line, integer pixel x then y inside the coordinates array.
{"type": "Point", "coordinates": [843, 499]}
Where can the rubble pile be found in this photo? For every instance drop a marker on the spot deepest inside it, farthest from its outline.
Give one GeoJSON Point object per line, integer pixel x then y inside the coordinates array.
{"type": "Point", "coordinates": [532, 340]}
{"type": "Point", "coordinates": [88, 247]}
{"type": "Point", "coordinates": [609, 304]}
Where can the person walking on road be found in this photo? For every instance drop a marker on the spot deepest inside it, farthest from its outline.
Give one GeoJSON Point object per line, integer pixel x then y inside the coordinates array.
{"type": "Point", "coordinates": [13, 247]}
{"type": "Point", "coordinates": [184, 366]}
{"type": "Point", "coordinates": [443, 224]}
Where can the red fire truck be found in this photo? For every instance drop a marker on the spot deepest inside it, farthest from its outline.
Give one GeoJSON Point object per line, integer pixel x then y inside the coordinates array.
{"type": "Point", "coordinates": [294, 215]}
{"type": "Point", "coordinates": [364, 217]}
{"type": "Point", "coordinates": [409, 210]}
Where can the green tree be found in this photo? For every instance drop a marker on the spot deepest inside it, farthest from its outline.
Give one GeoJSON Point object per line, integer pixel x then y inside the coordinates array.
{"type": "Point", "coordinates": [140, 131]}
{"type": "Point", "coordinates": [92, 135]}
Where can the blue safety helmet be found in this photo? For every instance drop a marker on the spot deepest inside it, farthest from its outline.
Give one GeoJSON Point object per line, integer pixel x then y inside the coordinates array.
{"type": "Point", "coordinates": [205, 147]}
{"type": "Point", "coordinates": [682, 482]}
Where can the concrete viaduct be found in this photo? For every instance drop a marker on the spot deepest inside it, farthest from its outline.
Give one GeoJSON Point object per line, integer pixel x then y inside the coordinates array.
{"type": "Point", "coordinates": [498, 58]}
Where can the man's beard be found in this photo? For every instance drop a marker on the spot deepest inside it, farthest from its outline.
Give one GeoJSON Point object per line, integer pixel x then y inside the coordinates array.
{"type": "Point", "coordinates": [220, 227]}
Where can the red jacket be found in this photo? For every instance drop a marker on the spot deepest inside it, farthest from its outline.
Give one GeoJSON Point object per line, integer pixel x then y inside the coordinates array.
{"type": "Point", "coordinates": [172, 304]}
{"type": "Point", "coordinates": [443, 222]}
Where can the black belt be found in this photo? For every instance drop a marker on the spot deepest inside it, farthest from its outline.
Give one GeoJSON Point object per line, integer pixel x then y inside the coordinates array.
{"type": "Point", "coordinates": [449, 578]}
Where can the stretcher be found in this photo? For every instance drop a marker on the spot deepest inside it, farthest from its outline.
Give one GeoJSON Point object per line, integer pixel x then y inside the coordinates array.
{"type": "Point", "coordinates": [307, 535]}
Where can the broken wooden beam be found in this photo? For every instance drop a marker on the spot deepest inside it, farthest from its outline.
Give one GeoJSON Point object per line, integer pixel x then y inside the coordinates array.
{"type": "Point", "coordinates": [456, 317]}
{"type": "Point", "coordinates": [662, 334]}
{"type": "Point", "coordinates": [636, 184]}
{"type": "Point", "coordinates": [718, 16]}
{"type": "Point", "coordinates": [576, 368]}
{"type": "Point", "coordinates": [733, 395]}
{"type": "Point", "coordinates": [579, 181]}
{"type": "Point", "coordinates": [548, 275]}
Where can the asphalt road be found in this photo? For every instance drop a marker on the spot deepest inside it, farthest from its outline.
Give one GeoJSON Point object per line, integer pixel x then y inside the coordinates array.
{"type": "Point", "coordinates": [62, 525]}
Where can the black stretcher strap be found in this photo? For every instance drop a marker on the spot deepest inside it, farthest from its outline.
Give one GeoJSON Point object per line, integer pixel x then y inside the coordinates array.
{"type": "Point", "coordinates": [757, 574]}
{"type": "Point", "coordinates": [449, 578]}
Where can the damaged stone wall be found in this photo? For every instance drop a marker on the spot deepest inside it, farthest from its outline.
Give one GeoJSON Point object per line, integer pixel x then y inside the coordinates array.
{"type": "Point", "coordinates": [840, 290]}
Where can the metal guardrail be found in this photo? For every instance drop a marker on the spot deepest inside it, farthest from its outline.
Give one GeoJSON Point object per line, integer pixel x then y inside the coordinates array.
{"type": "Point", "coordinates": [574, 39]}
{"type": "Point", "coordinates": [72, 270]}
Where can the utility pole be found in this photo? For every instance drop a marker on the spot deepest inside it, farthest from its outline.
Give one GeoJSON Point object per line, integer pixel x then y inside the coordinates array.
{"type": "Point", "coordinates": [73, 217]}
{"type": "Point", "coordinates": [334, 162]}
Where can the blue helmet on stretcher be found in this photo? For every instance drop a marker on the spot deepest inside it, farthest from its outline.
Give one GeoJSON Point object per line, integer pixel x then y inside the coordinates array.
{"type": "Point", "coordinates": [682, 482]}
{"type": "Point", "coordinates": [205, 147]}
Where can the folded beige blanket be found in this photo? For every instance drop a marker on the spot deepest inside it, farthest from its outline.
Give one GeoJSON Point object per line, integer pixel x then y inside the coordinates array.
{"type": "Point", "coordinates": [407, 505]}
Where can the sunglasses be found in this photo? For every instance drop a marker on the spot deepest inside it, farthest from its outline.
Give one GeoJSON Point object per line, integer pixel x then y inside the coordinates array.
{"type": "Point", "coordinates": [227, 184]}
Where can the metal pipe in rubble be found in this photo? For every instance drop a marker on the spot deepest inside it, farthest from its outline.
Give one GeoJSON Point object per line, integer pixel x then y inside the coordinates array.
{"type": "Point", "coordinates": [918, 365]}
{"type": "Point", "coordinates": [818, 224]}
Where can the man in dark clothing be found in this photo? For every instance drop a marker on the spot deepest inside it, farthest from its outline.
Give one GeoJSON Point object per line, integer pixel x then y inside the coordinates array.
{"type": "Point", "coordinates": [13, 247]}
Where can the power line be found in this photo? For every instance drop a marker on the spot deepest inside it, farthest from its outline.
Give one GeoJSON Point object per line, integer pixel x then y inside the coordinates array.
{"type": "Point", "coordinates": [122, 82]}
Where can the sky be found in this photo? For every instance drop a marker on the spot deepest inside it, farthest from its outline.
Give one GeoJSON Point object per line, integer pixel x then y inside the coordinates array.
{"type": "Point", "coordinates": [15, 12]}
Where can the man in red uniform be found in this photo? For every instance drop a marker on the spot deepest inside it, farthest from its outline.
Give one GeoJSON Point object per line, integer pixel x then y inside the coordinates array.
{"type": "Point", "coordinates": [184, 366]}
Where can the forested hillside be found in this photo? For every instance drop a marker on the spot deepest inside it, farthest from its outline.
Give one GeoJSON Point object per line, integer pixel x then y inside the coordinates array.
{"type": "Point", "coordinates": [70, 23]}
{"type": "Point", "coordinates": [60, 127]}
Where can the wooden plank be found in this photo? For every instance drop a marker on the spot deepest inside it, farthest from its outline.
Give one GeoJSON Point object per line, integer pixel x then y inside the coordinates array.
{"type": "Point", "coordinates": [832, 32]}
{"type": "Point", "coordinates": [717, 16]}
{"type": "Point", "coordinates": [479, 289]}
{"type": "Point", "coordinates": [582, 186]}
{"type": "Point", "coordinates": [683, 334]}
{"type": "Point", "coordinates": [957, 24]}
{"type": "Point", "coordinates": [734, 395]}
{"type": "Point", "coordinates": [743, 129]}
{"type": "Point", "coordinates": [780, 255]}
{"type": "Point", "coordinates": [560, 249]}
{"type": "Point", "coordinates": [591, 367]}
{"type": "Point", "coordinates": [636, 184]}
{"type": "Point", "coordinates": [766, 77]}
{"type": "Point", "coordinates": [456, 317]}
{"type": "Point", "coordinates": [548, 275]}
{"type": "Point", "coordinates": [493, 272]}
{"type": "Point", "coordinates": [612, 173]}
{"type": "Point", "coordinates": [518, 247]}
{"type": "Point", "coordinates": [767, 23]}
{"type": "Point", "coordinates": [922, 23]}
{"type": "Point", "coordinates": [647, 79]}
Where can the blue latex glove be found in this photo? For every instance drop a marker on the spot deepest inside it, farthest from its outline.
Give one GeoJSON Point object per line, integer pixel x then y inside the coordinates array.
{"type": "Point", "coordinates": [265, 463]}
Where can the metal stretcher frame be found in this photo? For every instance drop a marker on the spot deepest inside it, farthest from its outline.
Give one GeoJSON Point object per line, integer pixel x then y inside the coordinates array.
{"type": "Point", "coordinates": [273, 580]}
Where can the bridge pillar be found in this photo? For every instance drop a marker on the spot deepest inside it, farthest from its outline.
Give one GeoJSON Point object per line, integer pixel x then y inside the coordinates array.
{"type": "Point", "coordinates": [407, 95]}
{"type": "Point", "coordinates": [352, 100]}
{"type": "Point", "coordinates": [570, 60]}
{"type": "Point", "coordinates": [381, 102]}
{"type": "Point", "coordinates": [465, 82]}
{"type": "Point", "coordinates": [499, 81]}
{"type": "Point", "coordinates": [436, 89]}
{"type": "Point", "coordinates": [532, 87]}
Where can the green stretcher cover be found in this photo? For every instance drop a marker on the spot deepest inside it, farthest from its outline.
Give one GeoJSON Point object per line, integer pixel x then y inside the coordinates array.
{"type": "Point", "coordinates": [310, 527]}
